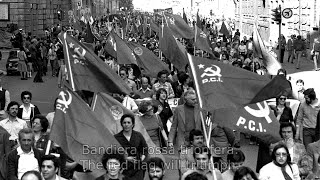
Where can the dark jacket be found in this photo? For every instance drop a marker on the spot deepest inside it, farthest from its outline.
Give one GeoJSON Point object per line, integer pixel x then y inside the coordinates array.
{"type": "Point", "coordinates": [286, 115]}
{"type": "Point", "coordinates": [13, 160]}
{"type": "Point", "coordinates": [4, 151]}
{"type": "Point", "coordinates": [34, 111]}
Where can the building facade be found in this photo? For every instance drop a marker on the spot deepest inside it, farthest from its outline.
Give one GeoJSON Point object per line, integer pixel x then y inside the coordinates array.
{"type": "Point", "coordinates": [36, 15]}
{"type": "Point", "coordinates": [304, 21]}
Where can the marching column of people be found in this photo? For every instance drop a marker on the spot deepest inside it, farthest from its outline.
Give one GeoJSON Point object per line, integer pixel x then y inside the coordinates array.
{"type": "Point", "coordinates": [24, 130]}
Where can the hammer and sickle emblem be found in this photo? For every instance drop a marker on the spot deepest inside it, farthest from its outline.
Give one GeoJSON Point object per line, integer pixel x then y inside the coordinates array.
{"type": "Point", "coordinates": [171, 20]}
{"type": "Point", "coordinates": [210, 72]}
{"type": "Point", "coordinates": [64, 101]}
{"type": "Point", "coordinates": [203, 35]}
{"type": "Point", "coordinates": [262, 112]}
{"type": "Point", "coordinates": [80, 54]}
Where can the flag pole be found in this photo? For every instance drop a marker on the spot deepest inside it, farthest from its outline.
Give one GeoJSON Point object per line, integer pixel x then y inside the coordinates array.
{"type": "Point", "coordinates": [206, 137]}
{"type": "Point", "coordinates": [68, 60]}
{"type": "Point", "coordinates": [199, 97]}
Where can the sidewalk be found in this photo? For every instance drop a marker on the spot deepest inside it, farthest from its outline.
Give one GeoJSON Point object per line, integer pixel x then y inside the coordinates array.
{"type": "Point", "coordinates": [306, 64]}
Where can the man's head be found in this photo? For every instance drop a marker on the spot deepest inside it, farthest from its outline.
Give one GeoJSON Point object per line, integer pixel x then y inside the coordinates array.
{"type": "Point", "coordinates": [112, 162]}
{"type": "Point", "coordinates": [202, 156]}
{"type": "Point", "coordinates": [26, 139]}
{"type": "Point", "coordinates": [236, 159]}
{"type": "Point", "coordinates": [162, 76]}
{"type": "Point", "coordinates": [287, 130]}
{"type": "Point", "coordinates": [144, 82]}
{"type": "Point", "coordinates": [156, 168]}
{"type": "Point", "coordinates": [300, 84]}
{"type": "Point", "coordinates": [31, 175]}
{"type": "Point", "coordinates": [309, 95]}
{"type": "Point", "coordinates": [190, 97]}
{"type": "Point", "coordinates": [12, 109]}
{"type": "Point", "coordinates": [123, 73]}
{"type": "Point", "coordinates": [196, 138]}
{"type": "Point", "coordinates": [49, 166]}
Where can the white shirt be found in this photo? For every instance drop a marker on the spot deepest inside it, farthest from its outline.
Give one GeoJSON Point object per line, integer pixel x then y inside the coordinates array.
{"type": "Point", "coordinates": [129, 103]}
{"type": "Point", "coordinates": [27, 162]}
{"type": "Point", "coordinates": [50, 117]}
{"type": "Point", "coordinates": [26, 112]}
{"type": "Point", "coordinates": [272, 172]}
{"type": "Point", "coordinates": [13, 127]}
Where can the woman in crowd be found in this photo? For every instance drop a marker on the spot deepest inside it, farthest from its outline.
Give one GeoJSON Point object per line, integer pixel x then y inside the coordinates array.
{"type": "Point", "coordinates": [151, 121]}
{"type": "Point", "coordinates": [282, 112]}
{"type": "Point", "coordinates": [135, 146]}
{"type": "Point", "coordinates": [112, 162]}
{"type": "Point", "coordinates": [281, 167]}
{"type": "Point", "coordinates": [244, 173]}
{"type": "Point", "coordinates": [40, 125]}
{"type": "Point", "coordinates": [52, 56]}
{"type": "Point", "coordinates": [164, 108]}
{"type": "Point", "coordinates": [27, 110]}
{"type": "Point", "coordinates": [22, 63]}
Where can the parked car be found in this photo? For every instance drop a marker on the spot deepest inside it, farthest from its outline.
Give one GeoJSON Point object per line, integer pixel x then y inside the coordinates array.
{"type": "Point", "coordinates": [12, 62]}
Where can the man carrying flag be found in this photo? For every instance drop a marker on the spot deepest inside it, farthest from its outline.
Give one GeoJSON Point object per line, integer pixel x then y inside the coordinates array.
{"type": "Point", "coordinates": [224, 90]}
{"type": "Point", "coordinates": [86, 71]}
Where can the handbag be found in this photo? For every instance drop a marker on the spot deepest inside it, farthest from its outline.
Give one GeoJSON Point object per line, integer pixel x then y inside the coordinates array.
{"type": "Point", "coordinates": [162, 134]}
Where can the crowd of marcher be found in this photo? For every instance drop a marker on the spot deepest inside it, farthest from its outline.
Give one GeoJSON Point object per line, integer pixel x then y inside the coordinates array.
{"type": "Point", "coordinates": [24, 131]}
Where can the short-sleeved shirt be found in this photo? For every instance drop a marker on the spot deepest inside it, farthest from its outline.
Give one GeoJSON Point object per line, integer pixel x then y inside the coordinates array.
{"type": "Point", "coordinates": [13, 127]}
{"type": "Point", "coordinates": [167, 86]}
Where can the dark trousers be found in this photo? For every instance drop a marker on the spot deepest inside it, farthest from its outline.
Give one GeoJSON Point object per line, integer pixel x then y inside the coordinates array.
{"type": "Point", "coordinates": [282, 55]}
{"type": "Point", "coordinates": [39, 69]}
{"type": "Point", "coordinates": [309, 136]}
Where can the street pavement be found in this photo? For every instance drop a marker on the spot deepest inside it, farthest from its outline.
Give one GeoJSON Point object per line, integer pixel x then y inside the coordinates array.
{"type": "Point", "coordinates": [45, 93]}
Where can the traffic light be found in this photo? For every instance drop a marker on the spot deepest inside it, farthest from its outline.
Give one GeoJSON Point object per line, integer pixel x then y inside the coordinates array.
{"type": "Point", "coordinates": [59, 13]}
{"type": "Point", "coordinates": [276, 15]}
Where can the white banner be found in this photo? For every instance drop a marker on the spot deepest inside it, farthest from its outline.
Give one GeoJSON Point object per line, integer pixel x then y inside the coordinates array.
{"type": "Point", "coordinates": [310, 79]}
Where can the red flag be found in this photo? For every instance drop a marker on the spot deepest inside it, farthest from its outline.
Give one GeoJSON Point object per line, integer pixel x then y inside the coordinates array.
{"type": "Point", "coordinates": [199, 24]}
{"type": "Point", "coordinates": [184, 16]}
{"type": "Point", "coordinates": [224, 30]}
{"type": "Point", "coordinates": [124, 53]}
{"type": "Point", "coordinates": [277, 86]}
{"type": "Point", "coordinates": [269, 61]}
{"type": "Point", "coordinates": [255, 119]}
{"type": "Point", "coordinates": [89, 45]}
{"type": "Point", "coordinates": [154, 26]}
{"type": "Point", "coordinates": [220, 85]}
{"type": "Point", "coordinates": [110, 111]}
{"type": "Point", "coordinates": [149, 63]}
{"type": "Point", "coordinates": [172, 49]}
{"type": "Point", "coordinates": [111, 47]}
{"type": "Point", "coordinates": [178, 26]}
{"type": "Point", "coordinates": [79, 132]}
{"type": "Point", "coordinates": [201, 40]}
{"type": "Point", "coordinates": [86, 71]}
